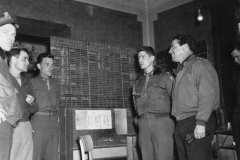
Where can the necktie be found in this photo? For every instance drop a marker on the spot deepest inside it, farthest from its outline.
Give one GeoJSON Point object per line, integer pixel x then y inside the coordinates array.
{"type": "Point", "coordinates": [146, 82]}
{"type": "Point", "coordinates": [48, 84]}
{"type": "Point", "coordinates": [147, 78]}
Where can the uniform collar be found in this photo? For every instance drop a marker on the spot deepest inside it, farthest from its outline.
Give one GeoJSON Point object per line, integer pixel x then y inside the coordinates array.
{"type": "Point", "coordinates": [185, 62]}
{"type": "Point", "coordinates": [2, 53]}
{"type": "Point", "coordinates": [42, 78]}
{"type": "Point", "coordinates": [150, 73]}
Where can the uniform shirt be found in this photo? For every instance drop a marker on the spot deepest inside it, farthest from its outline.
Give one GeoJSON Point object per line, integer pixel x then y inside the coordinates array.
{"type": "Point", "coordinates": [23, 91]}
{"type": "Point", "coordinates": [155, 98]}
{"type": "Point", "coordinates": [48, 100]}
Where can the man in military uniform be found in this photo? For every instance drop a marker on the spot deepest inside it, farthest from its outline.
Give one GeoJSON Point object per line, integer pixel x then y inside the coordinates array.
{"type": "Point", "coordinates": [194, 97]}
{"type": "Point", "coordinates": [45, 122]}
{"type": "Point", "coordinates": [10, 112]}
{"type": "Point", "coordinates": [151, 95]}
{"type": "Point", "coordinates": [22, 146]}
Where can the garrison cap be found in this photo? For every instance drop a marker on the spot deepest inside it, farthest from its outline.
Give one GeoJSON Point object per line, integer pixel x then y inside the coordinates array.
{"type": "Point", "coordinates": [7, 19]}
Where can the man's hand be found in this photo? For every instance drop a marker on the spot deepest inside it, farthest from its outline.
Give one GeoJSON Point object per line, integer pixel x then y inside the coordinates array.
{"type": "Point", "coordinates": [199, 131]}
{"type": "Point", "coordinates": [2, 115]}
{"type": "Point", "coordinates": [29, 99]}
{"type": "Point", "coordinates": [235, 52]}
{"type": "Point", "coordinates": [136, 121]}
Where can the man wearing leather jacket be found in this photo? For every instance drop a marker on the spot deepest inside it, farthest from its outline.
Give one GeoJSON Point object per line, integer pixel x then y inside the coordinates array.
{"type": "Point", "coordinates": [9, 109]}
{"type": "Point", "coordinates": [151, 95]}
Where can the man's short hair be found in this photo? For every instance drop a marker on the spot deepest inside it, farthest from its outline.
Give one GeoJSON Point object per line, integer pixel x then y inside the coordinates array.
{"type": "Point", "coordinates": [186, 39]}
{"type": "Point", "coordinates": [149, 50]}
{"type": "Point", "coordinates": [44, 55]}
{"type": "Point", "coordinates": [16, 52]}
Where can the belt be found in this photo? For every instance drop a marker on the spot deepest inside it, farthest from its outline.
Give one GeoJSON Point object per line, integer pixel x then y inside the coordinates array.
{"type": "Point", "coordinates": [154, 115]}
{"type": "Point", "coordinates": [47, 113]}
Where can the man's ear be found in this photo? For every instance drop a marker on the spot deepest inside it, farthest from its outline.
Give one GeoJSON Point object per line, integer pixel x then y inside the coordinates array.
{"type": "Point", "coordinates": [38, 66]}
{"type": "Point", "coordinates": [153, 58]}
{"type": "Point", "coordinates": [13, 60]}
{"type": "Point", "coordinates": [185, 47]}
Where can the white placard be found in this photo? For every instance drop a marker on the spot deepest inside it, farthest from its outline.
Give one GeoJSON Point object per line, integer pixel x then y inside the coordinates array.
{"type": "Point", "coordinates": [93, 119]}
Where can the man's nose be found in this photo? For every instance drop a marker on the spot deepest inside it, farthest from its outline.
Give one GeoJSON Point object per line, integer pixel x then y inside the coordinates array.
{"type": "Point", "coordinates": [11, 37]}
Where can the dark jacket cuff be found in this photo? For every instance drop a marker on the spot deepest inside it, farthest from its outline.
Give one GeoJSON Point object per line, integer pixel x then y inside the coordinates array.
{"type": "Point", "coordinates": [200, 122]}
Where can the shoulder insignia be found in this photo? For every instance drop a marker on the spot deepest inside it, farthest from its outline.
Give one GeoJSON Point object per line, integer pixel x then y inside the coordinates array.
{"type": "Point", "coordinates": [171, 77]}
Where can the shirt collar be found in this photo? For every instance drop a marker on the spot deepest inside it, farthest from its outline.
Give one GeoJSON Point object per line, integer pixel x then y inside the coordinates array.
{"type": "Point", "coordinates": [42, 78]}
{"type": "Point", "coordinates": [17, 76]}
{"type": "Point", "coordinates": [150, 74]}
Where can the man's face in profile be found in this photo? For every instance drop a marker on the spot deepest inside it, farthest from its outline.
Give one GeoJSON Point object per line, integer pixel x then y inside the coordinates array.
{"type": "Point", "coordinates": [236, 56]}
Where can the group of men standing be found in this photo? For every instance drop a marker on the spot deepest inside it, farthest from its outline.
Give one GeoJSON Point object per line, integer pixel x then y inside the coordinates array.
{"type": "Point", "coordinates": [22, 137]}
{"type": "Point", "coordinates": [190, 97]}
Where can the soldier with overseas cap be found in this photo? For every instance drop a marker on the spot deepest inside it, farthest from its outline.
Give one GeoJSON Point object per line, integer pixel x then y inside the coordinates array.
{"type": "Point", "coordinates": [151, 95]}
{"type": "Point", "coordinates": [10, 112]}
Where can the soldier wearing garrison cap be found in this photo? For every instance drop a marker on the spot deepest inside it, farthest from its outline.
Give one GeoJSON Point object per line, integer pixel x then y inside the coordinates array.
{"type": "Point", "coordinates": [9, 110]}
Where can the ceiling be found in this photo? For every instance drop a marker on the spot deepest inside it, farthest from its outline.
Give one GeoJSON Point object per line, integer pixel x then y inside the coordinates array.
{"type": "Point", "coordinates": [142, 4]}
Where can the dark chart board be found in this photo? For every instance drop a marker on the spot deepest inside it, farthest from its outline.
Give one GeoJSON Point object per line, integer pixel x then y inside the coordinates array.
{"type": "Point", "coordinates": [93, 75]}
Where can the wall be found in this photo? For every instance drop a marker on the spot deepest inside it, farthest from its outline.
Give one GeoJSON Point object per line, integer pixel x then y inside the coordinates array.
{"type": "Point", "coordinates": [180, 20]}
{"type": "Point", "coordinates": [126, 6]}
{"type": "Point", "coordinates": [152, 15]}
{"type": "Point", "coordinates": [87, 22]}
{"type": "Point", "coordinates": [225, 40]}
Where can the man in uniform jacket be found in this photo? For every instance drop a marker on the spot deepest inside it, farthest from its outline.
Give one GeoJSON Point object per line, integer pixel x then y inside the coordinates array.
{"type": "Point", "coordinates": [151, 95]}
{"type": "Point", "coordinates": [195, 96]}
{"type": "Point", "coordinates": [45, 121]}
{"type": "Point", "coordinates": [22, 146]}
{"type": "Point", "coordinates": [10, 112]}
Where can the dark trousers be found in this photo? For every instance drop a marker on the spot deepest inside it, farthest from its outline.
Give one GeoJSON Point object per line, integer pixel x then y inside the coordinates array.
{"type": "Point", "coordinates": [6, 135]}
{"type": "Point", "coordinates": [236, 131]}
{"type": "Point", "coordinates": [45, 137]}
{"type": "Point", "coordinates": [201, 149]}
{"type": "Point", "coordinates": [156, 138]}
